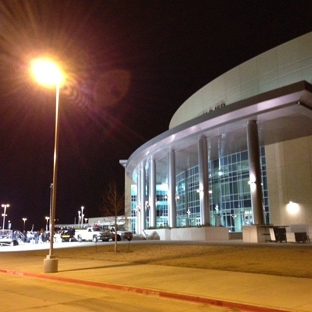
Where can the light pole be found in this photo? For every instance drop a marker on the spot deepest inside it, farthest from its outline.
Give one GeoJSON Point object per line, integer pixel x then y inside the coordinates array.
{"type": "Point", "coordinates": [79, 220]}
{"type": "Point", "coordinates": [49, 74]}
{"type": "Point", "coordinates": [24, 220]}
{"type": "Point", "coordinates": [5, 206]}
{"type": "Point", "coordinates": [51, 190]}
{"type": "Point", "coordinates": [82, 215]}
{"type": "Point", "coordinates": [47, 223]}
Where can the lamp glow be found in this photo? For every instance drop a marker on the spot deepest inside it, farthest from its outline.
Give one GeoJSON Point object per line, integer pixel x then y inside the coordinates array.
{"type": "Point", "coordinates": [46, 72]}
{"type": "Point", "coordinates": [292, 208]}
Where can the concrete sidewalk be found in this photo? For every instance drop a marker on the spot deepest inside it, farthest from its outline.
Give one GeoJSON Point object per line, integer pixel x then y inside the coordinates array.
{"type": "Point", "coordinates": [241, 291]}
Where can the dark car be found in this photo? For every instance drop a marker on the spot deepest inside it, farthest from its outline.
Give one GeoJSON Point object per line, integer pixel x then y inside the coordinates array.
{"type": "Point", "coordinates": [67, 235]}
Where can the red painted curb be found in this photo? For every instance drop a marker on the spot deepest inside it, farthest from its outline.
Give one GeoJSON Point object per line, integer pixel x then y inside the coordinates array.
{"type": "Point", "coordinates": [149, 292]}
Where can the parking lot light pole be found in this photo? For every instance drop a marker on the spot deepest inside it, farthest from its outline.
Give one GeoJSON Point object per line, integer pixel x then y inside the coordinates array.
{"type": "Point", "coordinates": [82, 215]}
{"type": "Point", "coordinates": [49, 74]}
{"type": "Point", "coordinates": [47, 223]}
{"type": "Point", "coordinates": [24, 220]}
{"type": "Point", "coordinates": [5, 206]}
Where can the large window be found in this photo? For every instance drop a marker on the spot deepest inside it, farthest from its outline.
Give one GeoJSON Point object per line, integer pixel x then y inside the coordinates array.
{"type": "Point", "coordinates": [229, 194]}
{"type": "Point", "coordinates": [230, 199]}
{"type": "Point", "coordinates": [187, 197]}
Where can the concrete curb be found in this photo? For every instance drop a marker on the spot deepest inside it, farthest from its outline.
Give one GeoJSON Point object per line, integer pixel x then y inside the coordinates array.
{"type": "Point", "coordinates": [148, 292]}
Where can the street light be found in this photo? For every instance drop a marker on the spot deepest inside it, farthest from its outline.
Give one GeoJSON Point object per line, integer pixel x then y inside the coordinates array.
{"type": "Point", "coordinates": [5, 206]}
{"type": "Point", "coordinates": [47, 223]}
{"type": "Point", "coordinates": [49, 74]}
{"type": "Point", "coordinates": [82, 215]}
{"type": "Point", "coordinates": [79, 220]}
{"type": "Point", "coordinates": [24, 220]}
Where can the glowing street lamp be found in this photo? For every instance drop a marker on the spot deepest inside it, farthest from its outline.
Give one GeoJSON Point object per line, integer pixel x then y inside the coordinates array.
{"type": "Point", "coordinates": [5, 206]}
{"type": "Point", "coordinates": [24, 220]}
{"type": "Point", "coordinates": [49, 74]}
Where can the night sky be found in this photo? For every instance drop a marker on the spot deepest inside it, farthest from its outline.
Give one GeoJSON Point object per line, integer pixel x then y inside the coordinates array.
{"type": "Point", "coordinates": [130, 65]}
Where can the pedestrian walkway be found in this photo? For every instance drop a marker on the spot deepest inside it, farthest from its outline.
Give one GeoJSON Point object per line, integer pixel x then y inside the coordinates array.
{"type": "Point", "coordinates": [241, 291]}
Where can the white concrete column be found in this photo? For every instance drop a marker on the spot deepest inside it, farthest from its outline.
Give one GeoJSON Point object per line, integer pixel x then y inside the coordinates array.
{"type": "Point", "coordinates": [152, 195]}
{"type": "Point", "coordinates": [143, 196]}
{"type": "Point", "coordinates": [203, 180]}
{"type": "Point", "coordinates": [255, 172]}
{"type": "Point", "coordinates": [138, 208]}
{"type": "Point", "coordinates": [172, 218]}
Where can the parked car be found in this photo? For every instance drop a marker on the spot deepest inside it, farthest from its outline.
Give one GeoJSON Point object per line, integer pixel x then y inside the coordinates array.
{"type": "Point", "coordinates": [121, 232]}
{"type": "Point", "coordinates": [32, 236]}
{"type": "Point", "coordinates": [11, 237]}
{"type": "Point", "coordinates": [95, 234]}
{"type": "Point", "coordinates": [67, 235]}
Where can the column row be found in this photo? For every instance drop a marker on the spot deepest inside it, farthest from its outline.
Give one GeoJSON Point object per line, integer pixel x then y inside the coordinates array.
{"type": "Point", "coordinates": [159, 208]}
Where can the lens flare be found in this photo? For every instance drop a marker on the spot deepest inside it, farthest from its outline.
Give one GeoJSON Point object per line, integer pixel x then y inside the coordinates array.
{"type": "Point", "coordinates": [46, 72]}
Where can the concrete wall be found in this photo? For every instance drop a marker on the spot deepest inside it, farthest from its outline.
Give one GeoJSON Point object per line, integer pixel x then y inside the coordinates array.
{"type": "Point", "coordinates": [289, 173]}
{"type": "Point", "coordinates": [191, 234]}
{"type": "Point", "coordinates": [255, 234]}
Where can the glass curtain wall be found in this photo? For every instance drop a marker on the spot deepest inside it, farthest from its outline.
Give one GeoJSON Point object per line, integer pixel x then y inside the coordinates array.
{"type": "Point", "coordinates": [230, 200]}
{"type": "Point", "coordinates": [134, 207]}
{"type": "Point", "coordinates": [161, 205]}
{"type": "Point", "coordinates": [187, 203]}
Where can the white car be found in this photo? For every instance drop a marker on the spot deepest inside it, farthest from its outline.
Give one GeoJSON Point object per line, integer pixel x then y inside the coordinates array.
{"type": "Point", "coordinates": [10, 238]}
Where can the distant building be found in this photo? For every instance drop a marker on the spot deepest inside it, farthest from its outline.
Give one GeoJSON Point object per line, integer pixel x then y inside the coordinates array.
{"type": "Point", "coordinates": [237, 152]}
{"type": "Point", "coordinates": [108, 221]}
{"type": "Point", "coordinates": [122, 221]}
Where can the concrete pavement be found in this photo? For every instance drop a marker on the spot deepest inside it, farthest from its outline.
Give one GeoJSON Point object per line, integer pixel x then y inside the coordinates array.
{"type": "Point", "coordinates": [240, 291]}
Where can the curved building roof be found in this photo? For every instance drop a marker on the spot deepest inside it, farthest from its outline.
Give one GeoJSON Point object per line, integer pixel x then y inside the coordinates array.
{"type": "Point", "coordinates": [276, 68]}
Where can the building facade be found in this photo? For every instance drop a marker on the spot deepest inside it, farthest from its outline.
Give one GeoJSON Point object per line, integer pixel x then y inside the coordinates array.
{"type": "Point", "coordinates": [238, 152]}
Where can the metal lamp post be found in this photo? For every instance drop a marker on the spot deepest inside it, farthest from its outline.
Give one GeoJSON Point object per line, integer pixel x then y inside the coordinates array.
{"type": "Point", "coordinates": [24, 220]}
{"type": "Point", "coordinates": [49, 74]}
{"type": "Point", "coordinates": [47, 223]}
{"type": "Point", "coordinates": [5, 206]}
{"type": "Point", "coordinates": [82, 215]}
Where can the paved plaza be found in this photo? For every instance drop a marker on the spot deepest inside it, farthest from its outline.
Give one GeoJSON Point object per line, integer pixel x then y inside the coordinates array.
{"type": "Point", "coordinates": [211, 289]}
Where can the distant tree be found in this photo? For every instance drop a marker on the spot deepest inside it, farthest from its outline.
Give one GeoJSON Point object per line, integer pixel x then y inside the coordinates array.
{"type": "Point", "coordinates": [113, 206]}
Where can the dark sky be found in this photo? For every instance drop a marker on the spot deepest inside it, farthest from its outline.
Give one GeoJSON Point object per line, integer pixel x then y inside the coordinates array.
{"type": "Point", "coordinates": [130, 65]}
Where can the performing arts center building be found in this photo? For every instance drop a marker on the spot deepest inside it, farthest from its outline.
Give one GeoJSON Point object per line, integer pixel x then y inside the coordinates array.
{"type": "Point", "coordinates": [237, 153]}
